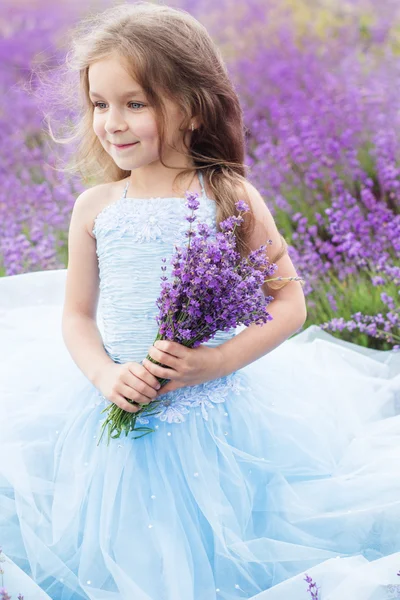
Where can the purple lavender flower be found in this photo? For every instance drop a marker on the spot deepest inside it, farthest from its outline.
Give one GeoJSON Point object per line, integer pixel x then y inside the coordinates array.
{"type": "Point", "coordinates": [312, 588]}
{"type": "Point", "coordinates": [242, 206]}
{"type": "Point", "coordinates": [192, 200]}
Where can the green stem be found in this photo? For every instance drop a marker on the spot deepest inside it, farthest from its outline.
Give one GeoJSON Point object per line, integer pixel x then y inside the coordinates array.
{"type": "Point", "coordinates": [387, 333]}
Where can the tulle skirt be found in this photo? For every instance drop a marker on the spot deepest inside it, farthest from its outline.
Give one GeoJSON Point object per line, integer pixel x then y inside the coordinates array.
{"type": "Point", "coordinates": [289, 467]}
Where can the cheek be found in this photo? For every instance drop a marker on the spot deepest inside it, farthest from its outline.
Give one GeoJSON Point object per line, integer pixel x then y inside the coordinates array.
{"type": "Point", "coordinates": [98, 127]}
{"type": "Point", "coordinates": [145, 129]}
{"type": "Point", "coordinates": [175, 132]}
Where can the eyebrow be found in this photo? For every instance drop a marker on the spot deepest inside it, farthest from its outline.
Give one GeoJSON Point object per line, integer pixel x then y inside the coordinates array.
{"type": "Point", "coordinates": [131, 93]}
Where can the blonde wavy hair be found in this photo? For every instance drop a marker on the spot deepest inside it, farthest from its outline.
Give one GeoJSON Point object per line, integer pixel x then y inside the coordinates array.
{"type": "Point", "coordinates": [168, 52]}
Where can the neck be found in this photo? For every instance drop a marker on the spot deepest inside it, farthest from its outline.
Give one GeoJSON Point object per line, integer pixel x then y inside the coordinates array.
{"type": "Point", "coordinates": [153, 181]}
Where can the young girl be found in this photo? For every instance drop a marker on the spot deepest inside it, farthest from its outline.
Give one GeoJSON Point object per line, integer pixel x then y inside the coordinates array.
{"type": "Point", "coordinates": [268, 460]}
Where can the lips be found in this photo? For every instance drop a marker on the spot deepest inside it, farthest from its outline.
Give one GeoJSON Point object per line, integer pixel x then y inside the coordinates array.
{"type": "Point", "coordinates": [124, 145]}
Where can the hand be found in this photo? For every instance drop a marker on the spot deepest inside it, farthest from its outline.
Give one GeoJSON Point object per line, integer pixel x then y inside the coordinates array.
{"type": "Point", "coordinates": [129, 381]}
{"type": "Point", "coordinates": [188, 366]}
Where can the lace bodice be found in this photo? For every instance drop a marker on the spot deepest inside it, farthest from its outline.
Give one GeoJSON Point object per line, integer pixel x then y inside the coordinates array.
{"type": "Point", "coordinates": [132, 236]}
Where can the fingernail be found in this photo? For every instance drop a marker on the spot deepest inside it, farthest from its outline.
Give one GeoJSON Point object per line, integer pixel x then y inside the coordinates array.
{"type": "Point", "coordinates": [158, 386]}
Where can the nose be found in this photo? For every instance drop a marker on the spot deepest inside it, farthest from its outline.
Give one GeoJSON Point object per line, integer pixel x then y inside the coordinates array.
{"type": "Point", "coordinates": [115, 121]}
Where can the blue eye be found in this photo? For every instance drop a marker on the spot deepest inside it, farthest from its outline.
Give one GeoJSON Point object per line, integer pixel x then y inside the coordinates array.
{"type": "Point", "coordinates": [96, 104]}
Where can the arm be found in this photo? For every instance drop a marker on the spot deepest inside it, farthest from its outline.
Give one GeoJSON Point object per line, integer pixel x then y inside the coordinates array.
{"type": "Point", "coordinates": [79, 328]}
{"type": "Point", "coordinates": [288, 308]}
{"type": "Point", "coordinates": [257, 340]}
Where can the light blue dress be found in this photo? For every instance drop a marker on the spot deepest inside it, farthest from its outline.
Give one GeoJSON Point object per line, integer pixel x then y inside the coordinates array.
{"type": "Point", "coordinates": [285, 467]}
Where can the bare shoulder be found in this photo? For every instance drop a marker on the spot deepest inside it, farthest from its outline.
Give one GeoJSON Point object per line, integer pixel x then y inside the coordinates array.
{"type": "Point", "coordinates": [93, 200]}
{"type": "Point", "coordinates": [258, 203]}
{"type": "Point", "coordinates": [266, 229]}
{"type": "Point", "coordinates": [265, 226]}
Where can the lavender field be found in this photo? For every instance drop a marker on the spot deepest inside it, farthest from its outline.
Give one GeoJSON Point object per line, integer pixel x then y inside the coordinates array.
{"type": "Point", "coordinates": [320, 88]}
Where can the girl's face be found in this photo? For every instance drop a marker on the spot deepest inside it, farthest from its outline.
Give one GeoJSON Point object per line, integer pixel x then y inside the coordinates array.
{"type": "Point", "coordinates": [122, 116]}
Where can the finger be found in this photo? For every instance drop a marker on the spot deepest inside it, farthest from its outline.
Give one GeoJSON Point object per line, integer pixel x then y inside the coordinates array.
{"type": "Point", "coordinates": [125, 405]}
{"type": "Point", "coordinates": [138, 391]}
{"type": "Point", "coordinates": [149, 378]}
{"type": "Point", "coordinates": [169, 387]}
{"type": "Point", "coordinates": [163, 357]}
{"type": "Point", "coordinates": [159, 371]}
{"type": "Point", "coordinates": [140, 372]}
{"type": "Point", "coordinates": [170, 347]}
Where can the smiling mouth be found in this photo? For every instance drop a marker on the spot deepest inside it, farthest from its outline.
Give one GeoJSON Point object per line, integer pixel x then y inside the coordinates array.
{"type": "Point", "coordinates": [124, 145]}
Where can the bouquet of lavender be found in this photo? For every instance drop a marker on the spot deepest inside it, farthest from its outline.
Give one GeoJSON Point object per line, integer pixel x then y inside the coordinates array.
{"type": "Point", "coordinates": [214, 289]}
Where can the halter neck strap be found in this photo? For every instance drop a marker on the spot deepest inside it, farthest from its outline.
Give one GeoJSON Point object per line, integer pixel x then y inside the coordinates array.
{"type": "Point", "coordinates": [201, 179]}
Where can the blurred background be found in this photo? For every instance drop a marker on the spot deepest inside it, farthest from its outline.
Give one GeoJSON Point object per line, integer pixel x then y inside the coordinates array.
{"type": "Point", "coordinates": [319, 82]}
